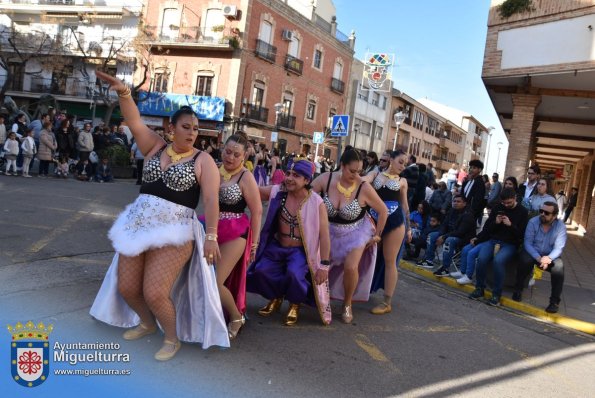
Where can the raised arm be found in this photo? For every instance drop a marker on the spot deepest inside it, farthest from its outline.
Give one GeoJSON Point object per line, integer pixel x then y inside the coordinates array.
{"type": "Point", "coordinates": [146, 139]}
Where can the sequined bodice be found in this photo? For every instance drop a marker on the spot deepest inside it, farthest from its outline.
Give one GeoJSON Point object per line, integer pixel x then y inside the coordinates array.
{"type": "Point", "coordinates": [388, 190]}
{"type": "Point", "coordinates": [179, 177]}
{"type": "Point", "coordinates": [349, 212]}
{"type": "Point", "coordinates": [231, 199]}
{"type": "Point", "coordinates": [177, 184]}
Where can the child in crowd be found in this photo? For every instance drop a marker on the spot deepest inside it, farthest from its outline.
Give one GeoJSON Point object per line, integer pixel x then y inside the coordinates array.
{"type": "Point", "coordinates": [84, 170]}
{"type": "Point", "coordinates": [29, 150]}
{"type": "Point", "coordinates": [62, 168]}
{"type": "Point", "coordinates": [104, 172]}
{"type": "Point", "coordinates": [420, 242]}
{"type": "Point", "coordinates": [11, 150]}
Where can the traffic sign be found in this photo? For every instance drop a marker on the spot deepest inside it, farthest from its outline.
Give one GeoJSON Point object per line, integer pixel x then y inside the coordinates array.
{"type": "Point", "coordinates": [318, 137]}
{"type": "Point", "coordinates": [340, 125]}
{"type": "Point", "coordinates": [274, 136]}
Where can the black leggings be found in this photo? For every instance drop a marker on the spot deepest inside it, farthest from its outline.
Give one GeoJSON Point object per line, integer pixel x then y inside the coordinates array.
{"type": "Point", "coordinates": [44, 166]}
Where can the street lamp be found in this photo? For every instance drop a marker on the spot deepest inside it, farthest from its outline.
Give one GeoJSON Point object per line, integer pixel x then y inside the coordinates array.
{"type": "Point", "coordinates": [498, 159]}
{"type": "Point", "coordinates": [355, 130]}
{"type": "Point", "coordinates": [399, 118]}
{"type": "Point", "coordinates": [490, 133]}
{"type": "Point", "coordinates": [278, 108]}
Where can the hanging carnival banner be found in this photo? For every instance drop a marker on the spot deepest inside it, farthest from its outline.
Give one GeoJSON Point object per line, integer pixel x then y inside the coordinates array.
{"type": "Point", "coordinates": [378, 72]}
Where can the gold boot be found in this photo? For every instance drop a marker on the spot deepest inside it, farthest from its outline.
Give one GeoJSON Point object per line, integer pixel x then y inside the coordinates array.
{"type": "Point", "coordinates": [271, 307]}
{"type": "Point", "coordinates": [292, 315]}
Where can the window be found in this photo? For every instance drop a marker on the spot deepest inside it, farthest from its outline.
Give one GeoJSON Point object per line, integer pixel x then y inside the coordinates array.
{"type": "Point", "coordinates": [362, 94]}
{"type": "Point", "coordinates": [169, 23]}
{"type": "Point", "coordinates": [338, 71]}
{"type": "Point", "coordinates": [311, 111]}
{"type": "Point", "coordinates": [214, 19]}
{"type": "Point", "coordinates": [378, 132]}
{"type": "Point", "coordinates": [317, 59]}
{"type": "Point", "coordinates": [159, 82]}
{"type": "Point", "coordinates": [287, 103]}
{"type": "Point", "coordinates": [418, 120]}
{"type": "Point", "coordinates": [203, 85]}
{"type": "Point", "coordinates": [258, 94]}
{"type": "Point", "coordinates": [375, 98]}
{"type": "Point", "coordinates": [382, 103]}
{"type": "Point", "coordinates": [294, 47]}
{"type": "Point", "coordinates": [432, 127]}
{"type": "Point", "coordinates": [266, 32]}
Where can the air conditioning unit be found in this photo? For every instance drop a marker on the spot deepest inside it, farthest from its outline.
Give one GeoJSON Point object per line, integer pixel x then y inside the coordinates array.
{"type": "Point", "coordinates": [287, 35]}
{"type": "Point", "coordinates": [230, 11]}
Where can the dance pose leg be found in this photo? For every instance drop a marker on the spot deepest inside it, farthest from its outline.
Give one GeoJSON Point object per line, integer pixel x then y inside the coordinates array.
{"type": "Point", "coordinates": [130, 286]}
{"type": "Point", "coordinates": [350, 279]}
{"type": "Point", "coordinates": [231, 252]}
{"type": "Point", "coordinates": [391, 244]}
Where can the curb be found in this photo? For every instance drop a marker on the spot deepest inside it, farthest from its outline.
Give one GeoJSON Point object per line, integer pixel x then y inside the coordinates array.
{"type": "Point", "coordinates": [575, 324]}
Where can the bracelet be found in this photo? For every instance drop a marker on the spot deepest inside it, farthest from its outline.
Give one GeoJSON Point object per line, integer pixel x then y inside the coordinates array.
{"type": "Point", "coordinates": [325, 262]}
{"type": "Point", "coordinates": [126, 93]}
{"type": "Point", "coordinates": [211, 237]}
{"type": "Point", "coordinates": [254, 245]}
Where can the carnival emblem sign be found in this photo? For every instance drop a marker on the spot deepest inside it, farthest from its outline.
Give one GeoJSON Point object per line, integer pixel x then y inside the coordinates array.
{"type": "Point", "coordinates": [377, 72]}
{"type": "Point", "coordinates": [29, 353]}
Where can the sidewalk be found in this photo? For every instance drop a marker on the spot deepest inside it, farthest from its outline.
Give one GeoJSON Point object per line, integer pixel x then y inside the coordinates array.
{"type": "Point", "coordinates": [577, 309]}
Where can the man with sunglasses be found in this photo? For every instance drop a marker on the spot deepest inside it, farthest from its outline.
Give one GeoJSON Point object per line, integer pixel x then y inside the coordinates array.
{"type": "Point", "coordinates": [383, 162]}
{"type": "Point", "coordinates": [545, 238]}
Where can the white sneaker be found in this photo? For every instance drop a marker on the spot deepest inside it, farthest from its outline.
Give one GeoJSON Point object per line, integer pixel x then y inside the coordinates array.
{"type": "Point", "coordinates": [464, 280]}
{"type": "Point", "coordinates": [456, 274]}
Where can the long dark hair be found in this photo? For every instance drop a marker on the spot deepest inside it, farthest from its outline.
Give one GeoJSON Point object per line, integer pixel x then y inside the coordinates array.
{"type": "Point", "coordinates": [397, 153]}
{"type": "Point", "coordinates": [350, 155]}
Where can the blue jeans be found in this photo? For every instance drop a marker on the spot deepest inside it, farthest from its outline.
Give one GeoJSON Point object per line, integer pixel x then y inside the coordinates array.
{"type": "Point", "coordinates": [486, 255]}
{"type": "Point", "coordinates": [431, 246]}
{"type": "Point", "coordinates": [468, 256]}
{"type": "Point", "coordinates": [450, 247]}
{"type": "Point", "coordinates": [450, 184]}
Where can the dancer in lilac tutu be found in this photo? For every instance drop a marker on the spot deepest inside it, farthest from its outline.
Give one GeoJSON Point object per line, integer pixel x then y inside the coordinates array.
{"type": "Point", "coordinates": [236, 239]}
{"type": "Point", "coordinates": [354, 237]}
{"type": "Point", "coordinates": [392, 189]}
{"type": "Point", "coordinates": [294, 242]}
{"type": "Point", "coordinates": [161, 274]}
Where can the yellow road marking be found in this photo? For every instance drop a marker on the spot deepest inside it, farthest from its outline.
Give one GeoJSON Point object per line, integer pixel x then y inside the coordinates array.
{"type": "Point", "coordinates": [40, 244]}
{"type": "Point", "coordinates": [374, 352]}
{"type": "Point", "coordinates": [25, 225]}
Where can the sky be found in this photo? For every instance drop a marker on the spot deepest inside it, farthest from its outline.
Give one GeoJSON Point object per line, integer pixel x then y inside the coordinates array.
{"type": "Point", "coordinates": [438, 46]}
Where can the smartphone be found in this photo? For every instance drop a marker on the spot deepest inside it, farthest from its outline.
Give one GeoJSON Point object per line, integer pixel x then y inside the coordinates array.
{"type": "Point", "coordinates": [501, 213]}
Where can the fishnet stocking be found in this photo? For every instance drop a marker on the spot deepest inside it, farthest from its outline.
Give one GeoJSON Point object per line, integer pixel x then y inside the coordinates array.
{"type": "Point", "coordinates": [130, 286]}
{"type": "Point", "coordinates": [162, 267]}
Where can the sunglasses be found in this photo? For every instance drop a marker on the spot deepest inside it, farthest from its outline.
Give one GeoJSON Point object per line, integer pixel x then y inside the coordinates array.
{"type": "Point", "coordinates": [547, 213]}
{"type": "Point", "coordinates": [383, 160]}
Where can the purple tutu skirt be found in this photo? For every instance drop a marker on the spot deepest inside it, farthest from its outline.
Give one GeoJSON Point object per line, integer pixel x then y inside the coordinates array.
{"type": "Point", "coordinates": [344, 239]}
{"type": "Point", "coordinates": [260, 174]}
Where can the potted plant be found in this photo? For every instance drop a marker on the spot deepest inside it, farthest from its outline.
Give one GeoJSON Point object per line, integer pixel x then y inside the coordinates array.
{"type": "Point", "coordinates": [119, 159]}
{"type": "Point", "coordinates": [218, 28]}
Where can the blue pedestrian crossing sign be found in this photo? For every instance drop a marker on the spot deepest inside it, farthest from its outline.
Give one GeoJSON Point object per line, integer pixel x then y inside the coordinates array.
{"type": "Point", "coordinates": [318, 137]}
{"type": "Point", "coordinates": [340, 126]}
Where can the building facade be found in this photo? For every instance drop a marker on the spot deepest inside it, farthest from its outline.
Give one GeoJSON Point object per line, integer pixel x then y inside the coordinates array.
{"type": "Point", "coordinates": [60, 45]}
{"type": "Point", "coordinates": [279, 66]}
{"type": "Point", "coordinates": [539, 70]}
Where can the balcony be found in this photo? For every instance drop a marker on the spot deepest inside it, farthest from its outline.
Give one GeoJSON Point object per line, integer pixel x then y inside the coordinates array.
{"type": "Point", "coordinates": [286, 121]}
{"type": "Point", "coordinates": [337, 86]}
{"type": "Point", "coordinates": [68, 8]}
{"type": "Point", "coordinates": [71, 86]}
{"type": "Point", "coordinates": [294, 64]}
{"type": "Point", "coordinates": [191, 37]}
{"type": "Point", "coordinates": [442, 142]}
{"type": "Point", "coordinates": [266, 51]}
{"type": "Point", "coordinates": [256, 112]}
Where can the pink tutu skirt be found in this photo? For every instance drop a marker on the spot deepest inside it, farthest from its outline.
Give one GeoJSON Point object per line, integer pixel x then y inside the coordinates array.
{"type": "Point", "coordinates": [278, 177]}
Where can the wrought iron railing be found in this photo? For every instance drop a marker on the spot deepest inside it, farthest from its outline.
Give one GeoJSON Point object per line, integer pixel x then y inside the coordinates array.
{"type": "Point", "coordinates": [294, 64]}
{"type": "Point", "coordinates": [256, 112]}
{"type": "Point", "coordinates": [286, 121]}
{"type": "Point", "coordinates": [337, 85]}
{"type": "Point", "coordinates": [189, 35]}
{"type": "Point", "coordinates": [266, 51]}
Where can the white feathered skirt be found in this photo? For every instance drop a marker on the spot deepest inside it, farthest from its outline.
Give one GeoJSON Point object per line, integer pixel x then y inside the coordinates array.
{"type": "Point", "coordinates": [152, 222]}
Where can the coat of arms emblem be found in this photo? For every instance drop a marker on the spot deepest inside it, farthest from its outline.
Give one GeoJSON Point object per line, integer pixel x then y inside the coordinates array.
{"type": "Point", "coordinates": [29, 353]}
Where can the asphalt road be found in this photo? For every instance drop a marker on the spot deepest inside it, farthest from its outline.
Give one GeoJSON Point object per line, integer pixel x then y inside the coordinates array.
{"type": "Point", "coordinates": [54, 253]}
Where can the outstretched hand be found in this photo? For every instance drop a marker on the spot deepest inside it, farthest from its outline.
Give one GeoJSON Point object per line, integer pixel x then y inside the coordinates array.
{"type": "Point", "coordinates": [115, 84]}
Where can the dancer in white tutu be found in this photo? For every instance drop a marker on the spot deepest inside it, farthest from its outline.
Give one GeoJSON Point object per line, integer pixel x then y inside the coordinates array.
{"type": "Point", "coordinates": [161, 274]}
{"type": "Point", "coordinates": [354, 236]}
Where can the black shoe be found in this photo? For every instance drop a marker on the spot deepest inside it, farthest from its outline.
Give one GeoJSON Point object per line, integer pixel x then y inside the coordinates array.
{"type": "Point", "coordinates": [441, 272]}
{"type": "Point", "coordinates": [517, 296]}
{"type": "Point", "coordinates": [476, 294]}
{"type": "Point", "coordinates": [494, 301]}
{"type": "Point", "coordinates": [552, 308]}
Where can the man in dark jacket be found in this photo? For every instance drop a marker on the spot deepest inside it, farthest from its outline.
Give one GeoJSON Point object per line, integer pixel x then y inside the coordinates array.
{"type": "Point", "coordinates": [459, 228]}
{"type": "Point", "coordinates": [571, 203]}
{"type": "Point", "coordinates": [529, 187]}
{"type": "Point", "coordinates": [497, 243]}
{"type": "Point", "coordinates": [411, 173]}
{"type": "Point", "coordinates": [441, 199]}
{"type": "Point", "coordinates": [456, 229]}
{"type": "Point", "coordinates": [474, 189]}
{"type": "Point", "coordinates": [422, 183]}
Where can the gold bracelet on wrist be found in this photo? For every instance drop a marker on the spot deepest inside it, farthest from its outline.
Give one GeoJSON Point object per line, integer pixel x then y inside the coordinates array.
{"type": "Point", "coordinates": [126, 93]}
{"type": "Point", "coordinates": [211, 237]}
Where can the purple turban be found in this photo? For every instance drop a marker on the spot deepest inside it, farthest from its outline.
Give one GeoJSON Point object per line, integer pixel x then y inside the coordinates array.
{"type": "Point", "coordinates": [303, 167]}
